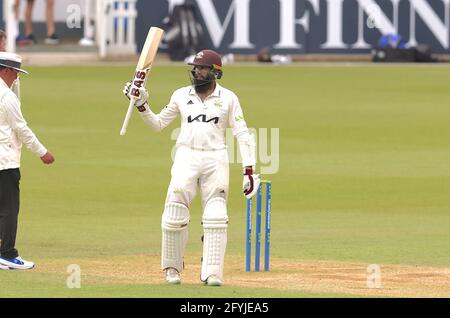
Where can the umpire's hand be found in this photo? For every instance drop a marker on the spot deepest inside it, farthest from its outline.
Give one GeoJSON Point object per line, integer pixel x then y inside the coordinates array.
{"type": "Point", "coordinates": [48, 158]}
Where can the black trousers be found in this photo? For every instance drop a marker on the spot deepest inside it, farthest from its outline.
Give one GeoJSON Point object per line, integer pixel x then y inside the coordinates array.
{"type": "Point", "coordinates": [9, 211]}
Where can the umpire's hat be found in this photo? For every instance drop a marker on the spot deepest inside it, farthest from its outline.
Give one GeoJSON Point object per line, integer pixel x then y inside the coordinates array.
{"type": "Point", "coordinates": [11, 60]}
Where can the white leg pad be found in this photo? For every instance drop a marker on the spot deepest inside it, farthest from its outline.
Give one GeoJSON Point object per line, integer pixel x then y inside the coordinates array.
{"type": "Point", "coordinates": [215, 223]}
{"type": "Point", "coordinates": [175, 220]}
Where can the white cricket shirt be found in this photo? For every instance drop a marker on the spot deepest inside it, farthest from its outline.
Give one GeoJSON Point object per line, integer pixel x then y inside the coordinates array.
{"type": "Point", "coordinates": [203, 124]}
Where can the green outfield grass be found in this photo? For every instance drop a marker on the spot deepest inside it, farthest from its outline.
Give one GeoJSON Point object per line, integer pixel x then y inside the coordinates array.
{"type": "Point", "coordinates": [364, 172]}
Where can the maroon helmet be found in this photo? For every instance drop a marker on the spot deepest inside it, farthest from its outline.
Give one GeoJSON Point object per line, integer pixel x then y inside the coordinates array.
{"type": "Point", "coordinates": [209, 58]}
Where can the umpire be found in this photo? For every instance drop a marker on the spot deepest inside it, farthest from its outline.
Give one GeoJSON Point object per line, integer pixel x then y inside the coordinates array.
{"type": "Point", "coordinates": [14, 132]}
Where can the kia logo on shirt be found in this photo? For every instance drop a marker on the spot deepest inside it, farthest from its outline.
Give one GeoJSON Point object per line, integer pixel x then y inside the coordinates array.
{"type": "Point", "coordinates": [202, 118]}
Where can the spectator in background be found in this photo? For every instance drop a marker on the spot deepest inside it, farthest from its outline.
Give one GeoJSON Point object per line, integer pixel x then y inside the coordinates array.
{"type": "Point", "coordinates": [29, 38]}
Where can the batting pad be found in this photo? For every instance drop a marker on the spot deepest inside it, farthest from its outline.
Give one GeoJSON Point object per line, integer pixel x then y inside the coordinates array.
{"type": "Point", "coordinates": [175, 220]}
{"type": "Point", "coordinates": [215, 223]}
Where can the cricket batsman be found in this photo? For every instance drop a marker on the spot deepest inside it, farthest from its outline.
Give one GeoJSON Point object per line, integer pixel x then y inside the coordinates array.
{"type": "Point", "coordinates": [201, 160]}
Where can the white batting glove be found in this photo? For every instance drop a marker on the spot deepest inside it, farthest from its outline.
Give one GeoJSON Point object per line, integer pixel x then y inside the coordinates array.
{"type": "Point", "coordinates": [251, 183]}
{"type": "Point", "coordinates": [143, 94]}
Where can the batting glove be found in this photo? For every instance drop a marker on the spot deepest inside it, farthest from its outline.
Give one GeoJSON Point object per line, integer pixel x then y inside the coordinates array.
{"type": "Point", "coordinates": [251, 183]}
{"type": "Point", "coordinates": [142, 96]}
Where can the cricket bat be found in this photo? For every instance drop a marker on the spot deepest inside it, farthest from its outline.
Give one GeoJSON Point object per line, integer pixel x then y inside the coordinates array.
{"type": "Point", "coordinates": [143, 67]}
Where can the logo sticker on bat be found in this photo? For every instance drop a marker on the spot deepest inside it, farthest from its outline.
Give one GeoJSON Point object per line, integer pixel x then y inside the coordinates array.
{"type": "Point", "coordinates": [138, 82]}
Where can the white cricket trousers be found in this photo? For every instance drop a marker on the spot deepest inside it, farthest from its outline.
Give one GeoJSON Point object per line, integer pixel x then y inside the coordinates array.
{"type": "Point", "coordinates": [204, 168]}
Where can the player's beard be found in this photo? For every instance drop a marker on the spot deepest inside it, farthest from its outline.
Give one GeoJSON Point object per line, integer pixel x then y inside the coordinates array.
{"type": "Point", "coordinates": [202, 85]}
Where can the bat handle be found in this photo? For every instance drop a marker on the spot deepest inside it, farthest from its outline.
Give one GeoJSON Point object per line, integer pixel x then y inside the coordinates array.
{"type": "Point", "coordinates": [127, 117]}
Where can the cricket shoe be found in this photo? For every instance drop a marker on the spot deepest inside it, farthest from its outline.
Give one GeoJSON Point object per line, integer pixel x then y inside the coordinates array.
{"type": "Point", "coordinates": [213, 280]}
{"type": "Point", "coordinates": [52, 39]}
{"type": "Point", "coordinates": [173, 276]}
{"type": "Point", "coordinates": [3, 267]}
{"type": "Point", "coordinates": [15, 263]}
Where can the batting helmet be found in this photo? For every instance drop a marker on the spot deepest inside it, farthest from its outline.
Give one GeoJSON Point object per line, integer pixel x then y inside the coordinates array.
{"type": "Point", "coordinates": [209, 58]}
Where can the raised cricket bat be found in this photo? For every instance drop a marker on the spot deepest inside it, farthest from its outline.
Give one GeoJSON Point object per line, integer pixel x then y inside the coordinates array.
{"type": "Point", "coordinates": [143, 67]}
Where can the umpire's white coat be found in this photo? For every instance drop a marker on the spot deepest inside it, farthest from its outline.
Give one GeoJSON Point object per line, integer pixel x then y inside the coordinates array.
{"type": "Point", "coordinates": [14, 131]}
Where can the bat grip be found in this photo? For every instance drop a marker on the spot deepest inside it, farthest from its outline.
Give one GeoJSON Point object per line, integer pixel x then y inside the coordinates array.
{"type": "Point", "coordinates": [127, 116]}
{"type": "Point", "coordinates": [133, 100]}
